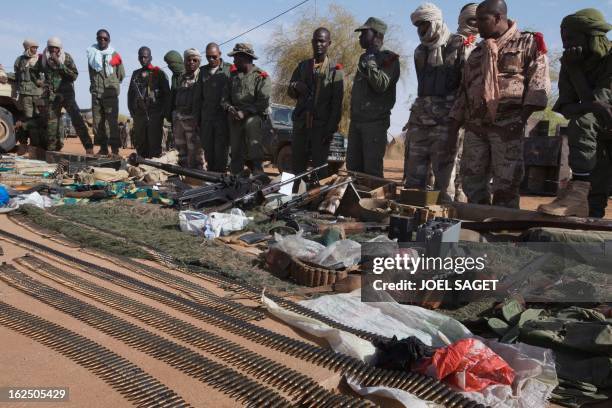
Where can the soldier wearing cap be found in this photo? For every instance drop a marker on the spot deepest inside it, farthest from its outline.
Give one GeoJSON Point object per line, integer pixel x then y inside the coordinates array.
{"type": "Point", "coordinates": [318, 86]}
{"type": "Point", "coordinates": [373, 97]}
{"type": "Point", "coordinates": [246, 100]}
{"type": "Point", "coordinates": [59, 72]}
{"type": "Point", "coordinates": [214, 138]}
{"type": "Point", "coordinates": [29, 92]}
{"type": "Point", "coordinates": [184, 122]}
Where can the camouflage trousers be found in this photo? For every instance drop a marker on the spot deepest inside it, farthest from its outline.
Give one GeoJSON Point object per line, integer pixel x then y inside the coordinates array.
{"type": "Point", "coordinates": [367, 142]}
{"type": "Point", "coordinates": [29, 106]}
{"type": "Point", "coordinates": [427, 146]}
{"type": "Point", "coordinates": [246, 137]}
{"type": "Point", "coordinates": [52, 137]}
{"type": "Point", "coordinates": [490, 155]}
{"type": "Point", "coordinates": [187, 141]}
{"type": "Point", "coordinates": [105, 113]}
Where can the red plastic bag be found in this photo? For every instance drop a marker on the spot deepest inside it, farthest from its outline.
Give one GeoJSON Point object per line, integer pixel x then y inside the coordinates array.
{"type": "Point", "coordinates": [468, 365]}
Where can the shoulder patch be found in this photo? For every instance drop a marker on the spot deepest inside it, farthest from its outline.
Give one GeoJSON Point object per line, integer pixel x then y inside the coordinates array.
{"type": "Point", "coordinates": [263, 74]}
{"type": "Point", "coordinates": [539, 39]}
{"type": "Point", "coordinates": [116, 60]}
{"type": "Point", "coordinates": [471, 39]}
{"type": "Point", "coordinates": [233, 68]}
{"type": "Point", "coordinates": [339, 67]}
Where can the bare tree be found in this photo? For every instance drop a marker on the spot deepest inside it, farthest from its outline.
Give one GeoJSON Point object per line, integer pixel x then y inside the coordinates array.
{"type": "Point", "coordinates": [290, 45]}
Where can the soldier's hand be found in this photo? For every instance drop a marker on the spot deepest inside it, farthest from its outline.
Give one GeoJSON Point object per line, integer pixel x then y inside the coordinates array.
{"type": "Point", "coordinates": [301, 88]}
{"type": "Point", "coordinates": [240, 115]}
{"type": "Point", "coordinates": [603, 110]}
{"type": "Point", "coordinates": [573, 55]}
{"type": "Point", "coordinates": [18, 125]}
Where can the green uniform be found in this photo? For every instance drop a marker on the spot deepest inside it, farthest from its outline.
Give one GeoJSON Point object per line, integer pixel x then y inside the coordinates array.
{"type": "Point", "coordinates": [59, 93]}
{"type": "Point", "coordinates": [29, 98]}
{"type": "Point", "coordinates": [589, 137]}
{"type": "Point", "coordinates": [212, 118]}
{"type": "Point", "coordinates": [105, 89]}
{"type": "Point", "coordinates": [372, 99]}
{"type": "Point", "coordinates": [249, 93]}
{"type": "Point", "coordinates": [149, 102]}
{"type": "Point", "coordinates": [316, 115]}
{"type": "Point", "coordinates": [184, 122]}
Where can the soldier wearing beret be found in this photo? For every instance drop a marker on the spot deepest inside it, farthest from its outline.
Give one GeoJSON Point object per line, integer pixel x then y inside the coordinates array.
{"type": "Point", "coordinates": [246, 100]}
{"type": "Point", "coordinates": [373, 97]}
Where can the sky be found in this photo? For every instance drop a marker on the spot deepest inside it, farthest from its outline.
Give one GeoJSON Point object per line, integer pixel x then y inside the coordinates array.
{"type": "Point", "coordinates": [167, 25]}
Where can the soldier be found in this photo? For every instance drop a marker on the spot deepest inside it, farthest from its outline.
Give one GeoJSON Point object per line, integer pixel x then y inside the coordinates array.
{"type": "Point", "coordinates": [373, 97]}
{"type": "Point", "coordinates": [439, 61]}
{"type": "Point", "coordinates": [29, 92]}
{"type": "Point", "coordinates": [318, 86]}
{"type": "Point", "coordinates": [105, 74]}
{"type": "Point", "coordinates": [505, 80]}
{"type": "Point", "coordinates": [59, 72]}
{"type": "Point", "coordinates": [184, 117]}
{"type": "Point", "coordinates": [176, 65]}
{"type": "Point", "coordinates": [214, 137]}
{"type": "Point", "coordinates": [246, 99]}
{"type": "Point", "coordinates": [585, 98]}
{"type": "Point", "coordinates": [148, 103]}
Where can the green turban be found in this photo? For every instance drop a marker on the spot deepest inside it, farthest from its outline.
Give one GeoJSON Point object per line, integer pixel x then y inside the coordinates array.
{"type": "Point", "coordinates": [174, 59]}
{"type": "Point", "coordinates": [593, 24]}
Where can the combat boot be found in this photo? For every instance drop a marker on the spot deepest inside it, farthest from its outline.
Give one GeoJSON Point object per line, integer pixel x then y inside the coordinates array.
{"type": "Point", "coordinates": [571, 201]}
{"type": "Point", "coordinates": [89, 151]}
{"type": "Point", "coordinates": [103, 151]}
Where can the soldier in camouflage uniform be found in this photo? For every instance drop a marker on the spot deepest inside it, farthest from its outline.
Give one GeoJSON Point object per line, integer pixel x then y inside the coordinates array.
{"type": "Point", "coordinates": [246, 99]}
{"type": "Point", "coordinates": [318, 86]}
{"type": "Point", "coordinates": [28, 90]}
{"type": "Point", "coordinates": [373, 97]}
{"type": "Point", "coordinates": [148, 103]}
{"type": "Point", "coordinates": [505, 80]}
{"type": "Point", "coordinates": [439, 63]}
{"type": "Point", "coordinates": [585, 98]}
{"type": "Point", "coordinates": [59, 72]}
{"type": "Point", "coordinates": [184, 117]}
{"type": "Point", "coordinates": [214, 133]}
{"type": "Point", "coordinates": [105, 74]}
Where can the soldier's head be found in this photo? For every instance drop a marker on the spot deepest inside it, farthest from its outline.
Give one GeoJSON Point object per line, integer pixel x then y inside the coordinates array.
{"type": "Point", "coordinates": [192, 58]}
{"type": "Point", "coordinates": [144, 56]}
{"type": "Point", "coordinates": [54, 46]}
{"type": "Point", "coordinates": [30, 46]}
{"type": "Point", "coordinates": [244, 55]}
{"type": "Point", "coordinates": [492, 18]}
{"type": "Point", "coordinates": [467, 18]}
{"type": "Point", "coordinates": [321, 40]}
{"type": "Point", "coordinates": [102, 38]}
{"type": "Point", "coordinates": [213, 54]}
{"type": "Point", "coordinates": [372, 33]}
{"type": "Point", "coordinates": [587, 29]}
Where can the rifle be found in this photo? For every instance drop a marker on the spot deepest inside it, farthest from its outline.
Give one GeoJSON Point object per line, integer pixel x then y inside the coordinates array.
{"type": "Point", "coordinates": [305, 198]}
{"type": "Point", "coordinates": [348, 228]}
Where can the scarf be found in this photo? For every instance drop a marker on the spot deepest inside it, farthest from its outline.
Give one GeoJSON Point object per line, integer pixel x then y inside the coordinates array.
{"type": "Point", "coordinates": [175, 62]}
{"type": "Point", "coordinates": [314, 77]}
{"type": "Point", "coordinates": [47, 61]}
{"type": "Point", "coordinates": [31, 59]}
{"type": "Point", "coordinates": [468, 32]}
{"type": "Point", "coordinates": [100, 60]}
{"type": "Point", "coordinates": [490, 71]}
{"type": "Point", "coordinates": [591, 23]}
{"type": "Point", "coordinates": [438, 34]}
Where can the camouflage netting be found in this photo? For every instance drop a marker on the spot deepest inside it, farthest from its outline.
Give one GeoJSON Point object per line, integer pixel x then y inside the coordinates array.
{"type": "Point", "coordinates": [156, 227]}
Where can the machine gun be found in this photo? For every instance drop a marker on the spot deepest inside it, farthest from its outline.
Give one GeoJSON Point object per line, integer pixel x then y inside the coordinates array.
{"type": "Point", "coordinates": [305, 198]}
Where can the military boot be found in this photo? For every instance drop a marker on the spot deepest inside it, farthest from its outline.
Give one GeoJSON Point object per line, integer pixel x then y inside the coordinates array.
{"type": "Point", "coordinates": [103, 151]}
{"type": "Point", "coordinates": [89, 151]}
{"type": "Point", "coordinates": [571, 201]}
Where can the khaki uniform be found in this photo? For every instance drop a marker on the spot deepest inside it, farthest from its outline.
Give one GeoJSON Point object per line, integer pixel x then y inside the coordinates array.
{"type": "Point", "coordinates": [105, 89]}
{"type": "Point", "coordinates": [149, 103]}
{"type": "Point", "coordinates": [59, 93]}
{"type": "Point", "coordinates": [29, 99]}
{"type": "Point", "coordinates": [316, 115]}
{"type": "Point", "coordinates": [214, 133]}
{"type": "Point", "coordinates": [249, 93]}
{"type": "Point", "coordinates": [487, 151]}
{"type": "Point", "coordinates": [429, 120]}
{"type": "Point", "coordinates": [373, 97]}
{"type": "Point", "coordinates": [184, 122]}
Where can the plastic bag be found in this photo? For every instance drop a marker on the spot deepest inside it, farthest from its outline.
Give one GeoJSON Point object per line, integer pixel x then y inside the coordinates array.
{"type": "Point", "coordinates": [197, 223]}
{"type": "Point", "coordinates": [294, 245]}
{"type": "Point", "coordinates": [346, 252]}
{"type": "Point", "coordinates": [4, 196]}
{"type": "Point", "coordinates": [468, 365]}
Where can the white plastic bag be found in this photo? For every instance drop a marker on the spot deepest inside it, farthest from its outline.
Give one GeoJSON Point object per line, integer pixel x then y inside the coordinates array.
{"type": "Point", "coordinates": [294, 245]}
{"type": "Point", "coordinates": [194, 222]}
{"type": "Point", "coordinates": [345, 251]}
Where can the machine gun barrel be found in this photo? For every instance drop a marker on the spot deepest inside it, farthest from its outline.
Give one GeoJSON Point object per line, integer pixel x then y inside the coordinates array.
{"type": "Point", "coordinates": [306, 197]}
{"type": "Point", "coordinates": [209, 176]}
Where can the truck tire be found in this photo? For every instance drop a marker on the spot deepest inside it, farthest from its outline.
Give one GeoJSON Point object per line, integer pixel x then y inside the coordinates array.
{"type": "Point", "coordinates": [284, 159]}
{"type": "Point", "coordinates": [7, 131]}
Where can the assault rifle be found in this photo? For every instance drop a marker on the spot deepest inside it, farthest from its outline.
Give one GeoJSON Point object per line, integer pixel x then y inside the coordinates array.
{"type": "Point", "coordinates": [305, 198]}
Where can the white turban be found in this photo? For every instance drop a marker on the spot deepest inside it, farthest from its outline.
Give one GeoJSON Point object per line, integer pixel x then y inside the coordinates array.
{"type": "Point", "coordinates": [464, 28]}
{"type": "Point", "coordinates": [54, 42]}
{"type": "Point", "coordinates": [437, 35]}
{"type": "Point", "coordinates": [27, 43]}
{"type": "Point", "coordinates": [192, 52]}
